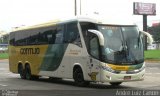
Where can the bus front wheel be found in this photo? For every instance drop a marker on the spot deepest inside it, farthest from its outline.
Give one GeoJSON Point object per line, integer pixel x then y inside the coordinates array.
{"type": "Point", "coordinates": [78, 77]}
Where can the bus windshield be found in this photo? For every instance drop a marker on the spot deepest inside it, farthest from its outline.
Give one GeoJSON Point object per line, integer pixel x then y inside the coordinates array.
{"type": "Point", "coordinates": [122, 44]}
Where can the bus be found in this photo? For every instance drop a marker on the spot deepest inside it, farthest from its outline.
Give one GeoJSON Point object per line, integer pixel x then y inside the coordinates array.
{"type": "Point", "coordinates": [83, 49]}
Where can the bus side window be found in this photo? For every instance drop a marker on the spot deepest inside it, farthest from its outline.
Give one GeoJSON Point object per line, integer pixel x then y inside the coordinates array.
{"type": "Point", "coordinates": [12, 42]}
{"type": "Point", "coordinates": [12, 39]}
{"type": "Point", "coordinates": [72, 34]}
{"type": "Point", "coordinates": [48, 37]}
{"type": "Point", "coordinates": [84, 28]}
{"type": "Point", "coordinates": [59, 34]}
{"type": "Point", "coordinates": [21, 39]}
{"type": "Point", "coordinates": [33, 40]}
{"type": "Point", "coordinates": [93, 45]}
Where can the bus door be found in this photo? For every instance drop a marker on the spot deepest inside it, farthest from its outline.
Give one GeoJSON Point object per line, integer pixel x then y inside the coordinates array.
{"type": "Point", "coordinates": [94, 55]}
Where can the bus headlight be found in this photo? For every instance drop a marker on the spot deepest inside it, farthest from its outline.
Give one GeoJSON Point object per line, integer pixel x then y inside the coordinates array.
{"type": "Point", "coordinates": [137, 70]}
{"type": "Point", "coordinates": [143, 67]}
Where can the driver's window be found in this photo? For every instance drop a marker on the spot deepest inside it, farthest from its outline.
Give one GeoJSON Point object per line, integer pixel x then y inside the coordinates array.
{"type": "Point", "coordinates": [94, 46]}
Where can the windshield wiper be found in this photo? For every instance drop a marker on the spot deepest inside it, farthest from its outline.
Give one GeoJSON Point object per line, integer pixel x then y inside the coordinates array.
{"type": "Point", "coordinates": [124, 52]}
{"type": "Point", "coordinates": [124, 48]}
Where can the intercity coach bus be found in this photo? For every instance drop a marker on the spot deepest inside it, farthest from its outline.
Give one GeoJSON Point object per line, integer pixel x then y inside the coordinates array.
{"type": "Point", "coordinates": [82, 49]}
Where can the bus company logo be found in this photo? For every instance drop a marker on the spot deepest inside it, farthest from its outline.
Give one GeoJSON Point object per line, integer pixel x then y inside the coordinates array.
{"type": "Point", "coordinates": [93, 75]}
{"type": "Point", "coordinates": [28, 51]}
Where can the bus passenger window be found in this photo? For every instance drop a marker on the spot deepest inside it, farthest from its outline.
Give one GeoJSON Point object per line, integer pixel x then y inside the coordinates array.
{"type": "Point", "coordinates": [48, 37]}
{"type": "Point", "coordinates": [72, 34]}
{"type": "Point", "coordinates": [59, 35]}
{"type": "Point", "coordinates": [84, 28]}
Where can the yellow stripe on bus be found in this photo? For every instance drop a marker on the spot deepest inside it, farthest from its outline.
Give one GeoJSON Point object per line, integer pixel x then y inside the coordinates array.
{"type": "Point", "coordinates": [118, 67]}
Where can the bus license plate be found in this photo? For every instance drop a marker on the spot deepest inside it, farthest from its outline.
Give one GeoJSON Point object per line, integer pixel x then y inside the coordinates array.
{"type": "Point", "coordinates": [127, 77]}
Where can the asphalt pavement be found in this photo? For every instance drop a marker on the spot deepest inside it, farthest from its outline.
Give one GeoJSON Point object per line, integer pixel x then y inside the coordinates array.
{"type": "Point", "coordinates": [12, 85]}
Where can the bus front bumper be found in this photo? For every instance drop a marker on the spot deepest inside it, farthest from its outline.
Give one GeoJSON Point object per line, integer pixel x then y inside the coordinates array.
{"type": "Point", "coordinates": [122, 77]}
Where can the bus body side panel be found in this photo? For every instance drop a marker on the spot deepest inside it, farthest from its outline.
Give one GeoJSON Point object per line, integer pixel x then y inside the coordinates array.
{"type": "Point", "coordinates": [13, 62]}
{"type": "Point", "coordinates": [32, 55]}
{"type": "Point", "coordinates": [76, 55]}
{"type": "Point", "coordinates": [52, 65]}
{"type": "Point", "coordinates": [62, 67]}
{"type": "Point", "coordinates": [71, 56]}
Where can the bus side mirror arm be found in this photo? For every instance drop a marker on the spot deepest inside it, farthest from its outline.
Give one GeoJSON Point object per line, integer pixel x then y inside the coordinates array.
{"type": "Point", "coordinates": [99, 34]}
{"type": "Point", "coordinates": [150, 38]}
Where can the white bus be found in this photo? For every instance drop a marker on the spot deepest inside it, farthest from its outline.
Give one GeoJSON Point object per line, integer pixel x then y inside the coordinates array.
{"type": "Point", "coordinates": [82, 49]}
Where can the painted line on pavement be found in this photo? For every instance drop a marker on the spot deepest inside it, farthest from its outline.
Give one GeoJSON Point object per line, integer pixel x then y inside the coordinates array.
{"type": "Point", "coordinates": [3, 85]}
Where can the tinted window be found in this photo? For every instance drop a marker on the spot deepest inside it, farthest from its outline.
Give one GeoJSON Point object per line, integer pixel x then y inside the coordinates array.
{"type": "Point", "coordinates": [72, 34]}
{"type": "Point", "coordinates": [36, 36]}
{"type": "Point", "coordinates": [59, 35]}
{"type": "Point", "coordinates": [47, 37]}
{"type": "Point", "coordinates": [93, 45]}
{"type": "Point", "coordinates": [84, 27]}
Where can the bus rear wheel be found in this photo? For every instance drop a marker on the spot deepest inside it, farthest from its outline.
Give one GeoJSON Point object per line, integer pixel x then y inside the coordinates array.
{"type": "Point", "coordinates": [28, 72]}
{"type": "Point", "coordinates": [115, 83]}
{"type": "Point", "coordinates": [78, 78]}
{"type": "Point", "coordinates": [21, 71]}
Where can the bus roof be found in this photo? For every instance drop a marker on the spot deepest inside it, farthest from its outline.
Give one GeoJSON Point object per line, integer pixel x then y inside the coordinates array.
{"type": "Point", "coordinates": [80, 19]}
{"type": "Point", "coordinates": [50, 23]}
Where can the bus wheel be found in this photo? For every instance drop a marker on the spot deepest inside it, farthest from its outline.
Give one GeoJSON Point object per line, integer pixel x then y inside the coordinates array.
{"type": "Point", "coordinates": [28, 72]}
{"type": "Point", "coordinates": [21, 71]}
{"type": "Point", "coordinates": [78, 77]}
{"type": "Point", "coordinates": [115, 83]}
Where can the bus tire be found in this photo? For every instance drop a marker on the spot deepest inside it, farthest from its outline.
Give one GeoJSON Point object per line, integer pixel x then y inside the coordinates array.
{"type": "Point", "coordinates": [78, 77]}
{"type": "Point", "coordinates": [28, 72]}
{"type": "Point", "coordinates": [21, 71]}
{"type": "Point", "coordinates": [115, 83]}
